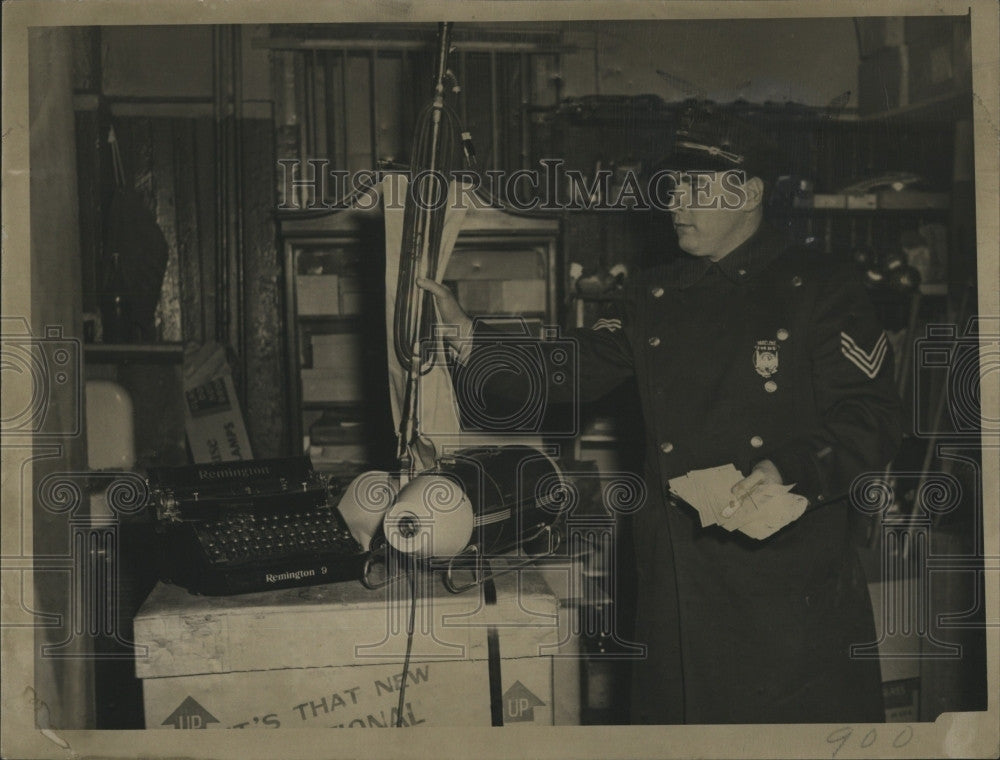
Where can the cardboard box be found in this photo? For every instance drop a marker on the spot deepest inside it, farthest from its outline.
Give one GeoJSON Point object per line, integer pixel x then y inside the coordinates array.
{"type": "Point", "coordinates": [336, 373]}
{"type": "Point", "coordinates": [866, 201]}
{"type": "Point", "coordinates": [502, 296]}
{"type": "Point", "coordinates": [215, 428]}
{"type": "Point", "coordinates": [352, 296]}
{"type": "Point", "coordinates": [495, 265]}
{"type": "Point", "coordinates": [918, 59]}
{"type": "Point", "coordinates": [940, 56]}
{"type": "Point", "coordinates": [332, 384]}
{"type": "Point", "coordinates": [331, 656]}
{"type": "Point", "coordinates": [336, 350]}
{"type": "Point", "coordinates": [827, 200]}
{"type": "Point", "coordinates": [912, 199]}
{"type": "Point", "coordinates": [902, 700]}
{"type": "Point", "coordinates": [317, 295]}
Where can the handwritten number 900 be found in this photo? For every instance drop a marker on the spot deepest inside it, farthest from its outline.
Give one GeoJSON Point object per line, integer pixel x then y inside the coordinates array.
{"type": "Point", "coordinates": [841, 736]}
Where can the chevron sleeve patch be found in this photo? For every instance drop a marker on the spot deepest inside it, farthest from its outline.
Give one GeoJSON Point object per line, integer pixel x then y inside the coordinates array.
{"type": "Point", "coordinates": [607, 324]}
{"type": "Point", "coordinates": [869, 362]}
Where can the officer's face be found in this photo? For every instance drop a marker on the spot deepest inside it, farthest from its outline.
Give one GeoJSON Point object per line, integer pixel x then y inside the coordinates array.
{"type": "Point", "coordinates": [715, 212]}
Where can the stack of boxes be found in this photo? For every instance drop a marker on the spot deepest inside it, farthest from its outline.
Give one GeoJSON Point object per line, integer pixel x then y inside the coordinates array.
{"type": "Point", "coordinates": [913, 60]}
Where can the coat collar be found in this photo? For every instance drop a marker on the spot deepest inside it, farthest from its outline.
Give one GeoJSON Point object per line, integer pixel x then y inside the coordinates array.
{"type": "Point", "coordinates": [741, 264]}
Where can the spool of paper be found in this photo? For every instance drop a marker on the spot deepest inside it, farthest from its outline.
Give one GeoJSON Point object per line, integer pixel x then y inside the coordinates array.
{"type": "Point", "coordinates": [365, 502]}
{"type": "Point", "coordinates": [432, 517]}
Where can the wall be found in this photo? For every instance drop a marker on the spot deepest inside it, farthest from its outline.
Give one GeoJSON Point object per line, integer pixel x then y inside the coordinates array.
{"type": "Point", "coordinates": [809, 61]}
{"type": "Point", "coordinates": [170, 62]}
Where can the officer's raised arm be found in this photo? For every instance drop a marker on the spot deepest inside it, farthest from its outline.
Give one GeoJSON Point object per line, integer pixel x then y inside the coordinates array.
{"type": "Point", "coordinates": [450, 313]}
{"type": "Point", "coordinates": [601, 358]}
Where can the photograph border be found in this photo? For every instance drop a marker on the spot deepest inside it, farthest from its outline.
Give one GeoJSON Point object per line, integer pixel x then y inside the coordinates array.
{"type": "Point", "coordinates": [974, 734]}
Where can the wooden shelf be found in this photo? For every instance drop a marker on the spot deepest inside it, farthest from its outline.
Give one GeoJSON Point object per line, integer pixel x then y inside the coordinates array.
{"type": "Point", "coordinates": [149, 353]}
{"type": "Point", "coordinates": [875, 203]}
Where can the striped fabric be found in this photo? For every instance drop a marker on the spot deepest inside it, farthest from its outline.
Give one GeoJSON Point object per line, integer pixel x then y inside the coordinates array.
{"type": "Point", "coordinates": [868, 362]}
{"type": "Point", "coordinates": [607, 324]}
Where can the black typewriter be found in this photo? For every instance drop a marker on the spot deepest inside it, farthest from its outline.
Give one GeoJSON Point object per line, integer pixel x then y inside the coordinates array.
{"type": "Point", "coordinates": [255, 525]}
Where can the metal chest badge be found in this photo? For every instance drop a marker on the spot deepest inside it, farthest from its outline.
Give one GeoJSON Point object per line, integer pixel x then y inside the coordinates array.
{"type": "Point", "coordinates": [765, 357]}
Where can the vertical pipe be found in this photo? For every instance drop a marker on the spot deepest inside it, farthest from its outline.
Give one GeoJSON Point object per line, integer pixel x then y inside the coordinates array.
{"type": "Point", "coordinates": [221, 200]}
{"type": "Point", "coordinates": [343, 105]}
{"type": "Point", "coordinates": [306, 116]}
{"type": "Point", "coordinates": [406, 116]}
{"type": "Point", "coordinates": [202, 334]}
{"type": "Point", "coordinates": [494, 109]}
{"type": "Point", "coordinates": [314, 106]}
{"type": "Point", "coordinates": [373, 107]}
{"type": "Point", "coordinates": [328, 108]}
{"type": "Point", "coordinates": [236, 63]}
{"type": "Point", "coordinates": [523, 114]}
{"type": "Point", "coordinates": [463, 99]}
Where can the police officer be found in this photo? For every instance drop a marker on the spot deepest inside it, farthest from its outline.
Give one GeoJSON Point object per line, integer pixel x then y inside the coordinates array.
{"type": "Point", "coordinates": [751, 351]}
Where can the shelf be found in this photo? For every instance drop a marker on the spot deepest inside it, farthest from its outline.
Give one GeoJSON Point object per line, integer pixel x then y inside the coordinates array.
{"type": "Point", "coordinates": [118, 353]}
{"type": "Point", "coordinates": [598, 438]}
{"type": "Point", "coordinates": [940, 108]}
{"type": "Point", "coordinates": [349, 410]}
{"type": "Point", "coordinates": [934, 288]}
{"type": "Point", "coordinates": [321, 319]}
{"type": "Point", "coordinates": [872, 203]}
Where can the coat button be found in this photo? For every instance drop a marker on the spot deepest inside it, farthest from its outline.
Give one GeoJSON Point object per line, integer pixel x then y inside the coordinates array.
{"type": "Point", "coordinates": [654, 341]}
{"type": "Point", "coordinates": [770, 386]}
{"type": "Point", "coordinates": [782, 334]}
{"type": "Point", "coordinates": [756, 441]}
{"type": "Point", "coordinates": [741, 272]}
{"type": "Point", "coordinates": [666, 447]}
{"type": "Point", "coordinates": [796, 281]}
{"type": "Point", "coordinates": [657, 292]}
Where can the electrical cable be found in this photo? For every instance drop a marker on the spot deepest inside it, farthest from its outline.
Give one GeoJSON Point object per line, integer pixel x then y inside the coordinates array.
{"type": "Point", "coordinates": [411, 571]}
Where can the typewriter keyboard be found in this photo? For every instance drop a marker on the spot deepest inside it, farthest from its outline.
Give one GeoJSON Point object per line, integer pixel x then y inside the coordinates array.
{"type": "Point", "coordinates": [246, 537]}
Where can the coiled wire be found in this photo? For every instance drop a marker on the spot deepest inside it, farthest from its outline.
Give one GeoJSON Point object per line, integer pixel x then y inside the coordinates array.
{"type": "Point", "coordinates": [433, 161]}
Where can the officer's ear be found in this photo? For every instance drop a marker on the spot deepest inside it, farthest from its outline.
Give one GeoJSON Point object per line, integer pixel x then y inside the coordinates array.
{"type": "Point", "coordinates": [753, 190]}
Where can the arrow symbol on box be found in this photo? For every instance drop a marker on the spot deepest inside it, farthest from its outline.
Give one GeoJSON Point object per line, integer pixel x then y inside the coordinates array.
{"type": "Point", "coordinates": [190, 714]}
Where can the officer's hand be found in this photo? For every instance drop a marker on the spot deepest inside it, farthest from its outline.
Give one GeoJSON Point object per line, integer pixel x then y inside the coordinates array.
{"type": "Point", "coordinates": [773, 510]}
{"type": "Point", "coordinates": [762, 473]}
{"type": "Point", "coordinates": [449, 312]}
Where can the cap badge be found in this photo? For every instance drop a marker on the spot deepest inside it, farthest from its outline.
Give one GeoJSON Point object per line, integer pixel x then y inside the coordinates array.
{"type": "Point", "coordinates": [765, 358]}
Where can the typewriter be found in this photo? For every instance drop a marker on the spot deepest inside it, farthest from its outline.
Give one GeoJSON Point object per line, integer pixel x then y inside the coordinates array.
{"type": "Point", "coordinates": [255, 525]}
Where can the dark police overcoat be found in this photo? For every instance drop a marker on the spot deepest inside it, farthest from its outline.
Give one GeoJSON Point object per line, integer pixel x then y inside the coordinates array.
{"type": "Point", "coordinates": [774, 352]}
